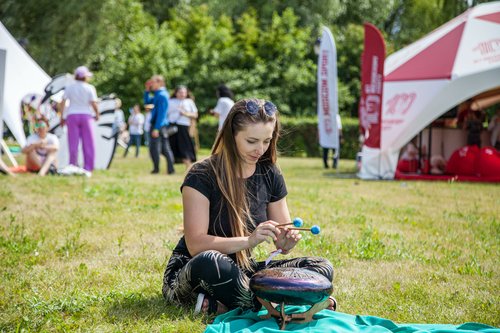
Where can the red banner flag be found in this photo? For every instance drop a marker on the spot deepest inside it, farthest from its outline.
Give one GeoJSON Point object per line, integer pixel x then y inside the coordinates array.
{"type": "Point", "coordinates": [372, 76]}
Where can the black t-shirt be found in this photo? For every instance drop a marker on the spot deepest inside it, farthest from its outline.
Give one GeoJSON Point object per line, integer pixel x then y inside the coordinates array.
{"type": "Point", "coordinates": [264, 186]}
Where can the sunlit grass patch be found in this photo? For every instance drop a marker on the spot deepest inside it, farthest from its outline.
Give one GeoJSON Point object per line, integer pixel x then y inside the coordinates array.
{"type": "Point", "coordinates": [88, 255]}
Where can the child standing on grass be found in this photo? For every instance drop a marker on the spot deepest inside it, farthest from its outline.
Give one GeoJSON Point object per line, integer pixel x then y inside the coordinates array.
{"type": "Point", "coordinates": [135, 128]}
{"type": "Point", "coordinates": [233, 201]}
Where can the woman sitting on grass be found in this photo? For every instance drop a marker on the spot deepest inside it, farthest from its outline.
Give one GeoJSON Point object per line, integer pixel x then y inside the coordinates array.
{"type": "Point", "coordinates": [233, 201]}
{"type": "Point", "coordinates": [41, 149]}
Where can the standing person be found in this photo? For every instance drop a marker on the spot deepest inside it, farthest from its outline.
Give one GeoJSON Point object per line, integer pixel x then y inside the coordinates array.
{"type": "Point", "coordinates": [233, 201]}
{"type": "Point", "coordinates": [182, 111]}
{"type": "Point", "coordinates": [79, 117]}
{"type": "Point", "coordinates": [335, 152]}
{"type": "Point", "coordinates": [135, 128]}
{"type": "Point", "coordinates": [119, 125]}
{"type": "Point", "coordinates": [494, 128]}
{"type": "Point", "coordinates": [224, 103]}
{"type": "Point", "coordinates": [474, 126]}
{"type": "Point", "coordinates": [158, 140]}
{"type": "Point", "coordinates": [147, 123]}
{"type": "Point", "coordinates": [41, 149]}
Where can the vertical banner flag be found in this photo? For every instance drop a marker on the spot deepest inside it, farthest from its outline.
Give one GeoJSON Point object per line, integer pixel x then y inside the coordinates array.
{"type": "Point", "coordinates": [328, 105]}
{"type": "Point", "coordinates": [372, 75]}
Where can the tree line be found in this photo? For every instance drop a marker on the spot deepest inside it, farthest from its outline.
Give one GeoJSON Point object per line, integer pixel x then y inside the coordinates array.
{"type": "Point", "coordinates": [258, 48]}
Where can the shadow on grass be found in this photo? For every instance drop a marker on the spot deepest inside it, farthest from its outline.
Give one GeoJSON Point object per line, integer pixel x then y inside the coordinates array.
{"type": "Point", "coordinates": [140, 307]}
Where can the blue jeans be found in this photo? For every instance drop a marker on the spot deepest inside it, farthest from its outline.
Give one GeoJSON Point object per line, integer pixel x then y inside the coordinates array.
{"type": "Point", "coordinates": [135, 139]}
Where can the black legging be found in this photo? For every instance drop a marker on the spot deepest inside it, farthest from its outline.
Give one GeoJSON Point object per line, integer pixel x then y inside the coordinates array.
{"type": "Point", "coordinates": [217, 275]}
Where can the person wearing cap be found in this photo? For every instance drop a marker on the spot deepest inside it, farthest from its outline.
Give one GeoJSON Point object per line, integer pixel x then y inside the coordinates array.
{"type": "Point", "coordinates": [79, 116]}
{"type": "Point", "coordinates": [41, 149]}
{"type": "Point", "coordinates": [158, 140]}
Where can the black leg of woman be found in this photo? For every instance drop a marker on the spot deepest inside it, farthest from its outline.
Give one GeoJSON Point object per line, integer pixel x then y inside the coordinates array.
{"type": "Point", "coordinates": [212, 273]}
{"type": "Point", "coordinates": [325, 157]}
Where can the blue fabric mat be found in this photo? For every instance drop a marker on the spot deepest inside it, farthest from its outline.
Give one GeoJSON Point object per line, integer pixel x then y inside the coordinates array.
{"type": "Point", "coordinates": [329, 321]}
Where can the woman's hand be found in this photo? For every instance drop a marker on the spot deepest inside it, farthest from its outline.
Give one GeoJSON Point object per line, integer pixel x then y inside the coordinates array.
{"type": "Point", "coordinates": [263, 232]}
{"type": "Point", "coordinates": [287, 240]}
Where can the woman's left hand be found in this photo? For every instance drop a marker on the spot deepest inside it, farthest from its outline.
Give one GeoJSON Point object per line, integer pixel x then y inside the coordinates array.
{"type": "Point", "coordinates": [287, 240]}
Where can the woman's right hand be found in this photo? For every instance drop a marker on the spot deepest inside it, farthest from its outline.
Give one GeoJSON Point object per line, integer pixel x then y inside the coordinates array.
{"type": "Point", "coordinates": [263, 232]}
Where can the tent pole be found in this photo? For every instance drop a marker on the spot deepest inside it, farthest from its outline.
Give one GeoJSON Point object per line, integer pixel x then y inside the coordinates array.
{"type": "Point", "coordinates": [429, 149]}
{"type": "Point", "coordinates": [5, 148]}
{"type": "Point", "coordinates": [419, 151]}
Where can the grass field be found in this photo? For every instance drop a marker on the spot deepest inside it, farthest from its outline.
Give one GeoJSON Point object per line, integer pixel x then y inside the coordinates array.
{"type": "Point", "coordinates": [88, 255]}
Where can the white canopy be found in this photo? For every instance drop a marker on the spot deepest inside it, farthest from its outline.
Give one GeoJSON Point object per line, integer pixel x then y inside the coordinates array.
{"type": "Point", "coordinates": [422, 81]}
{"type": "Point", "coordinates": [22, 76]}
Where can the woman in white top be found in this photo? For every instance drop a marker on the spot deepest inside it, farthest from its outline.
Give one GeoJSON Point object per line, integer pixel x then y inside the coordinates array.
{"type": "Point", "coordinates": [181, 111]}
{"type": "Point", "coordinates": [224, 103]}
{"type": "Point", "coordinates": [79, 116]}
{"type": "Point", "coordinates": [135, 128]}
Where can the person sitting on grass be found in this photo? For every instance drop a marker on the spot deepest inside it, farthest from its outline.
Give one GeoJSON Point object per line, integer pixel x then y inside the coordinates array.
{"type": "Point", "coordinates": [41, 149]}
{"type": "Point", "coordinates": [233, 201]}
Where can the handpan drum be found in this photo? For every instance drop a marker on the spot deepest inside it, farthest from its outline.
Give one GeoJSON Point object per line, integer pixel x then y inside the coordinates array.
{"type": "Point", "coordinates": [291, 286]}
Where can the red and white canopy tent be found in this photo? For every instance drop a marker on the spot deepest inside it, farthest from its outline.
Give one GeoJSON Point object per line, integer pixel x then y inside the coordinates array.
{"type": "Point", "coordinates": [422, 81]}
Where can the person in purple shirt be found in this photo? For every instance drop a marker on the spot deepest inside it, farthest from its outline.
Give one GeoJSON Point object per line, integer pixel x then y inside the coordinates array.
{"type": "Point", "coordinates": [157, 94]}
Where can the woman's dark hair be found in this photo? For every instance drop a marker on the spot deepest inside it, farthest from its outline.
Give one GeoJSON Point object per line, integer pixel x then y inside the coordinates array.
{"type": "Point", "coordinates": [226, 163]}
{"type": "Point", "coordinates": [189, 94]}
{"type": "Point", "coordinates": [224, 91]}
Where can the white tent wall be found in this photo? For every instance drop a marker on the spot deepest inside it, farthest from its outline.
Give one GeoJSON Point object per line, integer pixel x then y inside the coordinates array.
{"type": "Point", "coordinates": [427, 78]}
{"type": "Point", "coordinates": [377, 164]}
{"type": "Point", "coordinates": [452, 94]}
{"type": "Point", "coordinates": [22, 76]}
{"type": "Point", "coordinates": [3, 59]}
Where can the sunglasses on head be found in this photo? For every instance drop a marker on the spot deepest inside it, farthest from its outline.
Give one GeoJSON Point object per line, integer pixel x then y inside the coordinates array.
{"type": "Point", "coordinates": [253, 108]}
{"type": "Point", "coordinates": [38, 125]}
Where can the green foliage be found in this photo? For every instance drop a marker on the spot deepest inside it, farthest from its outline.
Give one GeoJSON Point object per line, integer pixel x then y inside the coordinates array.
{"type": "Point", "coordinates": [257, 47]}
{"type": "Point", "coordinates": [124, 69]}
{"type": "Point", "coordinates": [299, 136]}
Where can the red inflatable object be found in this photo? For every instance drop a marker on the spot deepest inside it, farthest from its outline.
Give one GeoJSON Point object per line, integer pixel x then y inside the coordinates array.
{"type": "Point", "coordinates": [488, 162]}
{"type": "Point", "coordinates": [463, 161]}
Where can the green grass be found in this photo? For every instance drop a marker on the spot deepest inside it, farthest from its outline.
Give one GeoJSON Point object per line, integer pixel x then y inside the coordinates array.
{"type": "Point", "coordinates": [88, 255]}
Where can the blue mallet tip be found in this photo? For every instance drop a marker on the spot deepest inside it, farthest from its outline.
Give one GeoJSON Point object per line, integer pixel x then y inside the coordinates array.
{"type": "Point", "coordinates": [297, 222]}
{"type": "Point", "coordinates": [315, 229]}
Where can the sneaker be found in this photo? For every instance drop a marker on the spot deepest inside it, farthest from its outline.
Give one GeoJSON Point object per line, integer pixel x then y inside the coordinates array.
{"type": "Point", "coordinates": [214, 307]}
{"type": "Point", "coordinates": [52, 170]}
{"type": "Point", "coordinates": [199, 303]}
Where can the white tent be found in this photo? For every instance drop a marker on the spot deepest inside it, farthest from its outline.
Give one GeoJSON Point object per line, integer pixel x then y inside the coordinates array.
{"type": "Point", "coordinates": [22, 76]}
{"type": "Point", "coordinates": [455, 62]}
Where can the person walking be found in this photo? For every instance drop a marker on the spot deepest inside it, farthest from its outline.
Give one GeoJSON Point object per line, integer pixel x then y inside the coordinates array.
{"type": "Point", "coordinates": [335, 152]}
{"type": "Point", "coordinates": [79, 117]}
{"type": "Point", "coordinates": [157, 94]}
{"type": "Point", "coordinates": [182, 110]}
{"type": "Point", "coordinates": [135, 128]}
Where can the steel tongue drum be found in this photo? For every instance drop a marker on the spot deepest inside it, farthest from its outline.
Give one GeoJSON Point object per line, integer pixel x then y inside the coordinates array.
{"type": "Point", "coordinates": [291, 286]}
